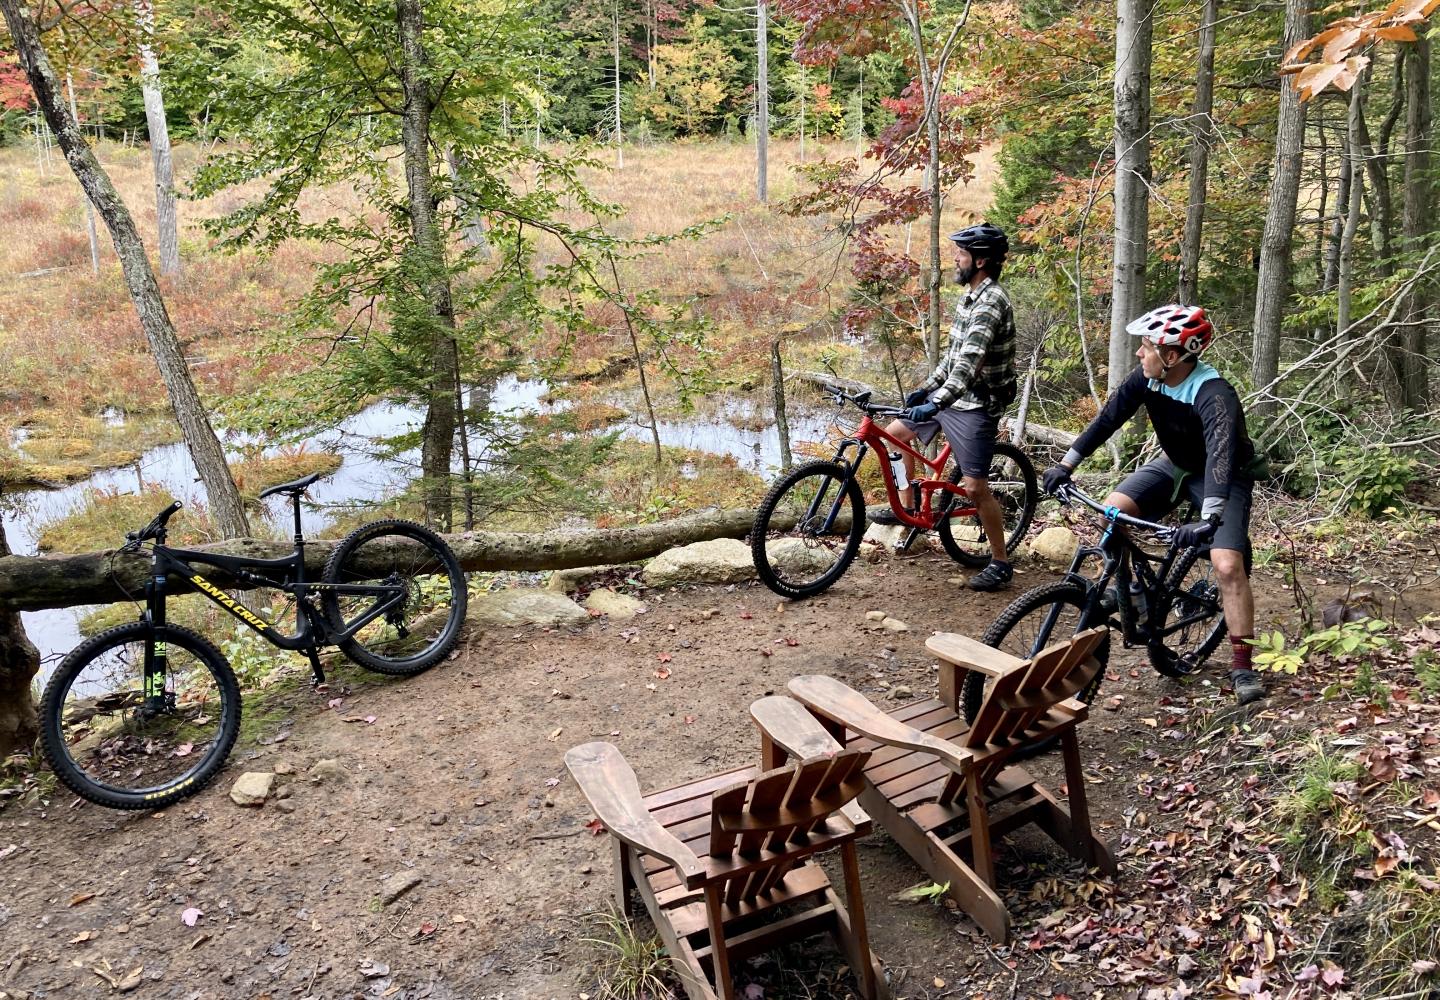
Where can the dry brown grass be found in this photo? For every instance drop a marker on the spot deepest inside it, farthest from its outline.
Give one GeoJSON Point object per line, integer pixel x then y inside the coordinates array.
{"type": "Point", "coordinates": [73, 343]}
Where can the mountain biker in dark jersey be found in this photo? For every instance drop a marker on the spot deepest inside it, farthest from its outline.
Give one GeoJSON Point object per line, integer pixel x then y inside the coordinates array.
{"type": "Point", "coordinates": [1208, 457]}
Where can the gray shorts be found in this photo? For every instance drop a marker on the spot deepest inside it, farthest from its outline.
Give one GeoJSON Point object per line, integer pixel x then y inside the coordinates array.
{"type": "Point", "coordinates": [971, 434]}
{"type": "Point", "coordinates": [1153, 489]}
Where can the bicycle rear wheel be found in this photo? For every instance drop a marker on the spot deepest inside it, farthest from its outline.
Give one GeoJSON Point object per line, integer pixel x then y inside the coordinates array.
{"type": "Point", "coordinates": [121, 742]}
{"type": "Point", "coordinates": [412, 617]}
{"type": "Point", "coordinates": [1012, 481]}
{"type": "Point", "coordinates": [1193, 623]}
{"type": "Point", "coordinates": [808, 529]}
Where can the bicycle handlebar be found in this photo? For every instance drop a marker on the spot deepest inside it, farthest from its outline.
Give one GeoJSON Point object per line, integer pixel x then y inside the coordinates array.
{"type": "Point", "coordinates": [1069, 491]}
{"type": "Point", "coordinates": [156, 525]}
{"type": "Point", "coordinates": [862, 400]}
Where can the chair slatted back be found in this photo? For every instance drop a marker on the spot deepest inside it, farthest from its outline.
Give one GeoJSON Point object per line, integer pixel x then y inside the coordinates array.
{"type": "Point", "coordinates": [1021, 697]}
{"type": "Point", "coordinates": [760, 818]}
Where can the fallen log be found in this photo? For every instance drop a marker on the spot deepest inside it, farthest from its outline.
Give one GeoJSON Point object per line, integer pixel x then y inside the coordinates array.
{"type": "Point", "coordinates": [35, 583]}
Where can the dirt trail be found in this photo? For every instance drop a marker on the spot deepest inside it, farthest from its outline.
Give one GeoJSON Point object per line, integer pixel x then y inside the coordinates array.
{"type": "Point", "coordinates": [459, 783]}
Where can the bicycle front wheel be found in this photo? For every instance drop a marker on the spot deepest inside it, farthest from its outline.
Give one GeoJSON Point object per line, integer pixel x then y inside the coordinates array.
{"type": "Point", "coordinates": [401, 600]}
{"type": "Point", "coordinates": [126, 741]}
{"type": "Point", "coordinates": [1193, 623]}
{"type": "Point", "coordinates": [1012, 481]}
{"type": "Point", "coordinates": [1038, 618]}
{"type": "Point", "coordinates": [808, 529]}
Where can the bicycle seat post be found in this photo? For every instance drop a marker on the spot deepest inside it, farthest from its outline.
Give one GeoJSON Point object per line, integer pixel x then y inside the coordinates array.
{"type": "Point", "coordinates": [295, 504]}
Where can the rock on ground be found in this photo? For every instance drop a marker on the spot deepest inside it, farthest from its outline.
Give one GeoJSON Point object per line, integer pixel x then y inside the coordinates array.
{"type": "Point", "coordinates": [720, 560]}
{"type": "Point", "coordinates": [524, 606]}
{"type": "Point", "coordinates": [1055, 546]}
{"type": "Point", "coordinates": [794, 556]}
{"type": "Point", "coordinates": [617, 606]}
{"type": "Point", "coordinates": [567, 581]}
{"type": "Point", "coordinates": [252, 788]}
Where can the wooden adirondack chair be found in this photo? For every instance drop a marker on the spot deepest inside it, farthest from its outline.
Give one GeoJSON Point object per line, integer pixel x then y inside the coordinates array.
{"type": "Point", "coordinates": [715, 859]}
{"type": "Point", "coordinates": [944, 790]}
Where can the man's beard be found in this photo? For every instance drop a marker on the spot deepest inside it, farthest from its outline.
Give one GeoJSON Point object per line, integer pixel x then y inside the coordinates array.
{"type": "Point", "coordinates": [964, 274]}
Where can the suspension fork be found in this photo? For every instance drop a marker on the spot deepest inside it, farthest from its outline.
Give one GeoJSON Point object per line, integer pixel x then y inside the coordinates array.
{"type": "Point", "coordinates": [850, 467]}
{"type": "Point", "coordinates": [156, 643]}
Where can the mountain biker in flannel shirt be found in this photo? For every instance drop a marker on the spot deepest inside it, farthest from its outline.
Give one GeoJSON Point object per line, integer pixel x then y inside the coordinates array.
{"type": "Point", "coordinates": [969, 390]}
{"type": "Point", "coordinates": [1207, 456]}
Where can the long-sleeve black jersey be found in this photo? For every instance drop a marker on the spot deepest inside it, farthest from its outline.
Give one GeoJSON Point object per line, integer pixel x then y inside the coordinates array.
{"type": "Point", "coordinates": [1199, 424]}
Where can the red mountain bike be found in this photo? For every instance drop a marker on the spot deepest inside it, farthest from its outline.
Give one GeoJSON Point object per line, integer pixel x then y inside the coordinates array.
{"type": "Point", "coordinates": [808, 528]}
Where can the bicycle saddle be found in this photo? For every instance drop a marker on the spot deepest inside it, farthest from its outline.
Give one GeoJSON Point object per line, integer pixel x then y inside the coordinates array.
{"type": "Point", "coordinates": [294, 489]}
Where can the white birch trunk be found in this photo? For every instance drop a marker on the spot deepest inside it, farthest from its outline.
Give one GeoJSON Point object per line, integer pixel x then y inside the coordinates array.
{"type": "Point", "coordinates": [1202, 136]}
{"type": "Point", "coordinates": [89, 208]}
{"type": "Point", "coordinates": [1354, 146]}
{"type": "Point", "coordinates": [615, 25]}
{"type": "Point", "coordinates": [762, 102]}
{"type": "Point", "coordinates": [166, 216]}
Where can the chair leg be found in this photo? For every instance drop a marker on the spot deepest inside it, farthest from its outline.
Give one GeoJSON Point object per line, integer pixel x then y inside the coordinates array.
{"type": "Point", "coordinates": [1082, 840]}
{"type": "Point", "coordinates": [771, 755]}
{"type": "Point", "coordinates": [720, 954]}
{"type": "Point", "coordinates": [979, 828]}
{"type": "Point", "coordinates": [624, 878]}
{"type": "Point", "coordinates": [856, 939]}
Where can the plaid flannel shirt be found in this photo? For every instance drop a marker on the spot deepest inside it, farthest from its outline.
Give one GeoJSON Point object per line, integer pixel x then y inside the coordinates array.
{"type": "Point", "coordinates": [979, 364]}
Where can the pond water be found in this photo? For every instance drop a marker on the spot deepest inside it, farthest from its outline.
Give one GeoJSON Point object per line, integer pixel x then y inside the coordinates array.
{"type": "Point", "coordinates": [736, 426]}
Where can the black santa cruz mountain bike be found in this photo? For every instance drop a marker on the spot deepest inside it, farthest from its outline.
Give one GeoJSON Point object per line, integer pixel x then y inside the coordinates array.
{"type": "Point", "coordinates": [144, 714]}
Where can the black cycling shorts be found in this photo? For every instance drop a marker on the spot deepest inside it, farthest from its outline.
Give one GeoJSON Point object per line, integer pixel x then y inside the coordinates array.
{"type": "Point", "coordinates": [1152, 487]}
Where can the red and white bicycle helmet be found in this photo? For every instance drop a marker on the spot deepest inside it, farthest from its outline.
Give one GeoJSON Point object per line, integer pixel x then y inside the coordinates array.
{"type": "Point", "coordinates": [1185, 327]}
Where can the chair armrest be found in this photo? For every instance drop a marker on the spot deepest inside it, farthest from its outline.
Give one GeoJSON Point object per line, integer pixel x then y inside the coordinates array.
{"type": "Point", "coordinates": [800, 735]}
{"type": "Point", "coordinates": [835, 700]}
{"type": "Point", "coordinates": [793, 729]}
{"type": "Point", "coordinates": [966, 652]}
{"type": "Point", "coordinates": [608, 783]}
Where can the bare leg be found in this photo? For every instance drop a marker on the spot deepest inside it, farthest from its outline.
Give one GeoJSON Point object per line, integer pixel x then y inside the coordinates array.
{"type": "Point", "coordinates": [992, 518]}
{"type": "Point", "coordinates": [1235, 594]}
{"type": "Point", "coordinates": [900, 432]}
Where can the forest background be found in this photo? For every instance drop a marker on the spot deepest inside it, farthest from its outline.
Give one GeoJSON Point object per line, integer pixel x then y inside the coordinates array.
{"type": "Point", "coordinates": [660, 219]}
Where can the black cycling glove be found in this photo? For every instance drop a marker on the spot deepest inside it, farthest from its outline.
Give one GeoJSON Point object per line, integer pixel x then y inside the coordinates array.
{"type": "Point", "coordinates": [1055, 477]}
{"type": "Point", "coordinates": [917, 396]}
{"type": "Point", "coordinates": [1196, 532]}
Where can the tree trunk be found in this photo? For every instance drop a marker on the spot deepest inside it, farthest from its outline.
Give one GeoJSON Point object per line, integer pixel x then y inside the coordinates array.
{"type": "Point", "coordinates": [762, 103]}
{"type": "Point", "coordinates": [19, 662]}
{"type": "Point", "coordinates": [89, 208]}
{"type": "Point", "coordinates": [615, 26]}
{"type": "Point", "coordinates": [1353, 187]}
{"type": "Point", "coordinates": [34, 583]}
{"type": "Point", "coordinates": [1134, 27]}
{"type": "Point", "coordinates": [437, 437]}
{"type": "Point", "coordinates": [1202, 136]}
{"type": "Point", "coordinates": [1415, 227]}
{"type": "Point", "coordinates": [224, 499]}
{"type": "Point", "coordinates": [782, 423]}
{"type": "Point", "coordinates": [932, 178]}
{"type": "Point", "coordinates": [472, 226]}
{"type": "Point", "coordinates": [1273, 285]}
{"type": "Point", "coordinates": [166, 216]}
{"type": "Point", "coordinates": [1349, 156]}
{"type": "Point", "coordinates": [1377, 173]}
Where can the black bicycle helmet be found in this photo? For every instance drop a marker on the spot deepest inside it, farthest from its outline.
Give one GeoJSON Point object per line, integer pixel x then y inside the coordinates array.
{"type": "Point", "coordinates": [984, 240]}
